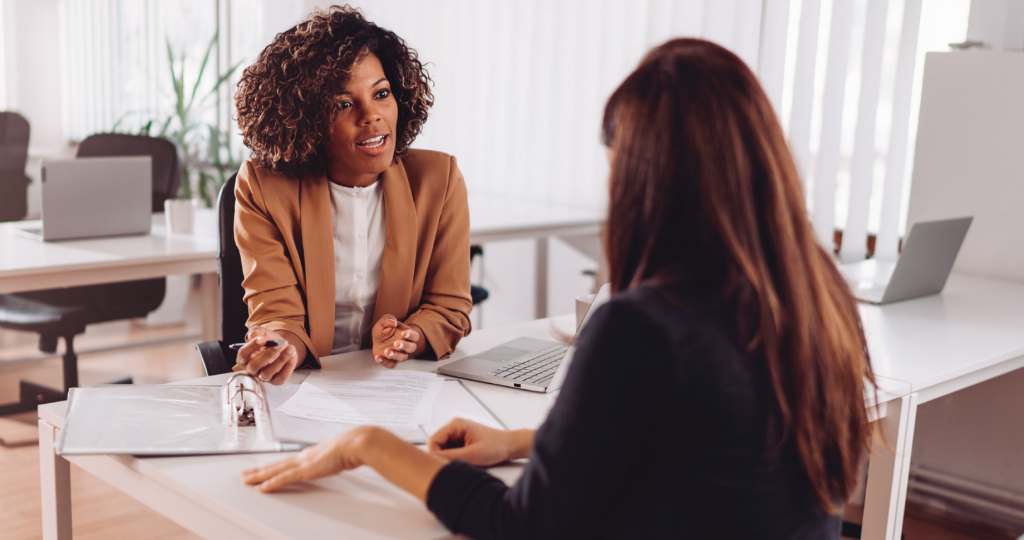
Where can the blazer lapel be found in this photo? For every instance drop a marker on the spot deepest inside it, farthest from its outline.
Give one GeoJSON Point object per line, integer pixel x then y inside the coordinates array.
{"type": "Point", "coordinates": [396, 266]}
{"type": "Point", "coordinates": [317, 224]}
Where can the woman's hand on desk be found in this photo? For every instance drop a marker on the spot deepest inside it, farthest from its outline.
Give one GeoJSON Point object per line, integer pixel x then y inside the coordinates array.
{"type": "Point", "coordinates": [478, 444]}
{"type": "Point", "coordinates": [274, 364]}
{"type": "Point", "coordinates": [396, 460]}
{"type": "Point", "coordinates": [394, 341]}
{"type": "Point", "coordinates": [329, 457]}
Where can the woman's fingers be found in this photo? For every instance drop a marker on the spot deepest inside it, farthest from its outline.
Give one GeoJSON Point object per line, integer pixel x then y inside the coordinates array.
{"type": "Point", "coordinates": [281, 368]}
{"type": "Point", "coordinates": [289, 367]}
{"type": "Point", "coordinates": [454, 430]}
{"type": "Point", "coordinates": [396, 356]}
{"type": "Point", "coordinates": [284, 478]}
{"type": "Point", "coordinates": [262, 358]}
{"type": "Point", "coordinates": [260, 474]}
{"type": "Point", "coordinates": [385, 327]}
{"type": "Point", "coordinates": [404, 346]}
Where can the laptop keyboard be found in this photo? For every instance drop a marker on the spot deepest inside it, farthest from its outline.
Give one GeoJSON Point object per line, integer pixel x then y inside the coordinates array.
{"type": "Point", "coordinates": [537, 369]}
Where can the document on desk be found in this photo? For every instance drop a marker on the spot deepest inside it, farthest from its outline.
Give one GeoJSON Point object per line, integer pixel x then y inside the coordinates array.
{"type": "Point", "coordinates": [409, 403]}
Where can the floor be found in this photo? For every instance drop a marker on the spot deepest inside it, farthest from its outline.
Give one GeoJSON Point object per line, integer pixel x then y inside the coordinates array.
{"type": "Point", "coordinates": [101, 512]}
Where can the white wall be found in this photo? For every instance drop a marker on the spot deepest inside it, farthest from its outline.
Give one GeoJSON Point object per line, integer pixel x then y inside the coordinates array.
{"type": "Point", "coordinates": [33, 56]}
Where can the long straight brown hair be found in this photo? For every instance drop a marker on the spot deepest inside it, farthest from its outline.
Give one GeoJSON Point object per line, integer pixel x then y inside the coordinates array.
{"type": "Point", "coordinates": [705, 198]}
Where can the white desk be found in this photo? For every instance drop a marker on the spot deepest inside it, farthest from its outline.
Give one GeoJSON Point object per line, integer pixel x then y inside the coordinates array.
{"type": "Point", "coordinates": [493, 219]}
{"type": "Point", "coordinates": [972, 332]}
{"type": "Point", "coordinates": [206, 494]}
{"type": "Point", "coordinates": [28, 263]}
{"type": "Point", "coordinates": [921, 350]}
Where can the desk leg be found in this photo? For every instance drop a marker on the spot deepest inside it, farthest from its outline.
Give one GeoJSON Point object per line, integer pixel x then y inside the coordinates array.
{"type": "Point", "coordinates": [54, 486]}
{"type": "Point", "coordinates": [889, 471]}
{"type": "Point", "coordinates": [209, 301]}
{"type": "Point", "coordinates": [540, 277]}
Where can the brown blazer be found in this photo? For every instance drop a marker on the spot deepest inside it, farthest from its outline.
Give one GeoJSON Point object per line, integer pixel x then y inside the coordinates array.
{"type": "Point", "coordinates": [283, 228]}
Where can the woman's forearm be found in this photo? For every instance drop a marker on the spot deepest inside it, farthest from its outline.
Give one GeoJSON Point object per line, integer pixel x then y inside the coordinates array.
{"type": "Point", "coordinates": [399, 462]}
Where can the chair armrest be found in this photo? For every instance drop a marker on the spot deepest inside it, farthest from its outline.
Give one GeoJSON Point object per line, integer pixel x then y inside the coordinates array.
{"type": "Point", "coordinates": [216, 358]}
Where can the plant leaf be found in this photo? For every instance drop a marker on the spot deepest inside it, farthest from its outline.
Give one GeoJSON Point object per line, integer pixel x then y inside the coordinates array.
{"type": "Point", "coordinates": [166, 125]}
{"type": "Point", "coordinates": [202, 71]}
{"type": "Point", "coordinates": [220, 81]}
{"type": "Point", "coordinates": [170, 63]}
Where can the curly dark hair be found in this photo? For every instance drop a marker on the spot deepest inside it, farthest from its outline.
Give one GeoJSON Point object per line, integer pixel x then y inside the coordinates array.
{"type": "Point", "coordinates": [286, 99]}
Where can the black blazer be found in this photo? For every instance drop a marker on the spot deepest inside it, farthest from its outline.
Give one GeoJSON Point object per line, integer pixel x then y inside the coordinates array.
{"type": "Point", "coordinates": [664, 428]}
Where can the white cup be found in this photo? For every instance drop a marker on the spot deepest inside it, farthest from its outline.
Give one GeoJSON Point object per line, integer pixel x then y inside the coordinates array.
{"type": "Point", "coordinates": [178, 215]}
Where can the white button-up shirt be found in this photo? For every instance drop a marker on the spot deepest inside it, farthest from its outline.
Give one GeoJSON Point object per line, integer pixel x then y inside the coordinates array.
{"type": "Point", "coordinates": [358, 245]}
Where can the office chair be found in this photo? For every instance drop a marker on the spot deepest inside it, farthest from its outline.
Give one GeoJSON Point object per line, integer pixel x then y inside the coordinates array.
{"type": "Point", "coordinates": [14, 134]}
{"type": "Point", "coordinates": [216, 356]}
{"type": "Point", "coordinates": [65, 312]}
{"type": "Point", "coordinates": [477, 292]}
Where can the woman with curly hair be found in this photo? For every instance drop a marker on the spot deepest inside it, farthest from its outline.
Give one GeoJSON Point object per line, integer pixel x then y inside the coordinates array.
{"type": "Point", "coordinates": [348, 237]}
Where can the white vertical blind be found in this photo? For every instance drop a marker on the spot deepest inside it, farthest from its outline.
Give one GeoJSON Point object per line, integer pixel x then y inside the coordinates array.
{"type": "Point", "coordinates": [4, 53]}
{"type": "Point", "coordinates": [803, 85]}
{"type": "Point", "coordinates": [896, 163]}
{"type": "Point", "coordinates": [862, 168]}
{"type": "Point", "coordinates": [114, 59]}
{"type": "Point", "coordinates": [521, 86]}
{"type": "Point", "coordinates": [771, 59]}
{"type": "Point", "coordinates": [827, 166]}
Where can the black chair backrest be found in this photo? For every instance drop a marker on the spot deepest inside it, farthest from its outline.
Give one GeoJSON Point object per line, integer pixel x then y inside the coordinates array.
{"type": "Point", "coordinates": [14, 134]}
{"type": "Point", "coordinates": [234, 312]}
{"type": "Point", "coordinates": [166, 176]}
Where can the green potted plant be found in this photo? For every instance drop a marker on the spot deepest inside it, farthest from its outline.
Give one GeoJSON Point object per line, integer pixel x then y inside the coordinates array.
{"type": "Point", "coordinates": [204, 156]}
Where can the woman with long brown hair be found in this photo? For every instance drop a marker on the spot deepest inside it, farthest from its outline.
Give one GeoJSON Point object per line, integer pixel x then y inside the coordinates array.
{"type": "Point", "coordinates": [719, 394]}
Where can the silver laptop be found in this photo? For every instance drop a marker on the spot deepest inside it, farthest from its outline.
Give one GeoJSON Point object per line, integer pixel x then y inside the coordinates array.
{"type": "Point", "coordinates": [922, 268]}
{"type": "Point", "coordinates": [96, 196]}
{"type": "Point", "coordinates": [528, 363]}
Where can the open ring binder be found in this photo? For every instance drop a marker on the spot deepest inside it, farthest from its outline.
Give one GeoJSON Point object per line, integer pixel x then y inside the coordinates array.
{"type": "Point", "coordinates": [170, 420]}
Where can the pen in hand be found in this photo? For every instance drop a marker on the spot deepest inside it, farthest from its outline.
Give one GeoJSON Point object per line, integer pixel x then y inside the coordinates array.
{"type": "Point", "coordinates": [270, 343]}
{"type": "Point", "coordinates": [239, 366]}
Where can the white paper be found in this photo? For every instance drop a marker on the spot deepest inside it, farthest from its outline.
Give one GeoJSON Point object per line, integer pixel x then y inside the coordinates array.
{"type": "Point", "coordinates": [390, 398]}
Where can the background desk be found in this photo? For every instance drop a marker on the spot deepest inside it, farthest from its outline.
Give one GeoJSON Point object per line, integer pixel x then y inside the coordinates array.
{"type": "Point", "coordinates": [972, 332]}
{"type": "Point", "coordinates": [28, 263]}
{"type": "Point", "coordinates": [494, 219]}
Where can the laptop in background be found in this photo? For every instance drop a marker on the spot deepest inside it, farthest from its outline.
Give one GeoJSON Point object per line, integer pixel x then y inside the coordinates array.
{"type": "Point", "coordinates": [538, 365]}
{"type": "Point", "coordinates": [921, 269]}
{"type": "Point", "coordinates": [95, 197]}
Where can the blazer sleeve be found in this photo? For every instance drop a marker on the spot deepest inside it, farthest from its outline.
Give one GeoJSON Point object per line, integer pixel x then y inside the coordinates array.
{"type": "Point", "coordinates": [443, 313]}
{"type": "Point", "coordinates": [271, 289]}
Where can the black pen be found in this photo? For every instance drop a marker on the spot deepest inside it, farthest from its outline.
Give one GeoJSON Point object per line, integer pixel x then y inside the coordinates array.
{"type": "Point", "coordinates": [268, 343]}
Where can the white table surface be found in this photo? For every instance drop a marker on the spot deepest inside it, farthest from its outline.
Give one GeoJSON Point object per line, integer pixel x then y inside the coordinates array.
{"type": "Point", "coordinates": [206, 494]}
{"type": "Point", "coordinates": [941, 343]}
{"type": "Point", "coordinates": [29, 263]}
{"type": "Point", "coordinates": [493, 218]}
{"type": "Point", "coordinates": [921, 348]}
